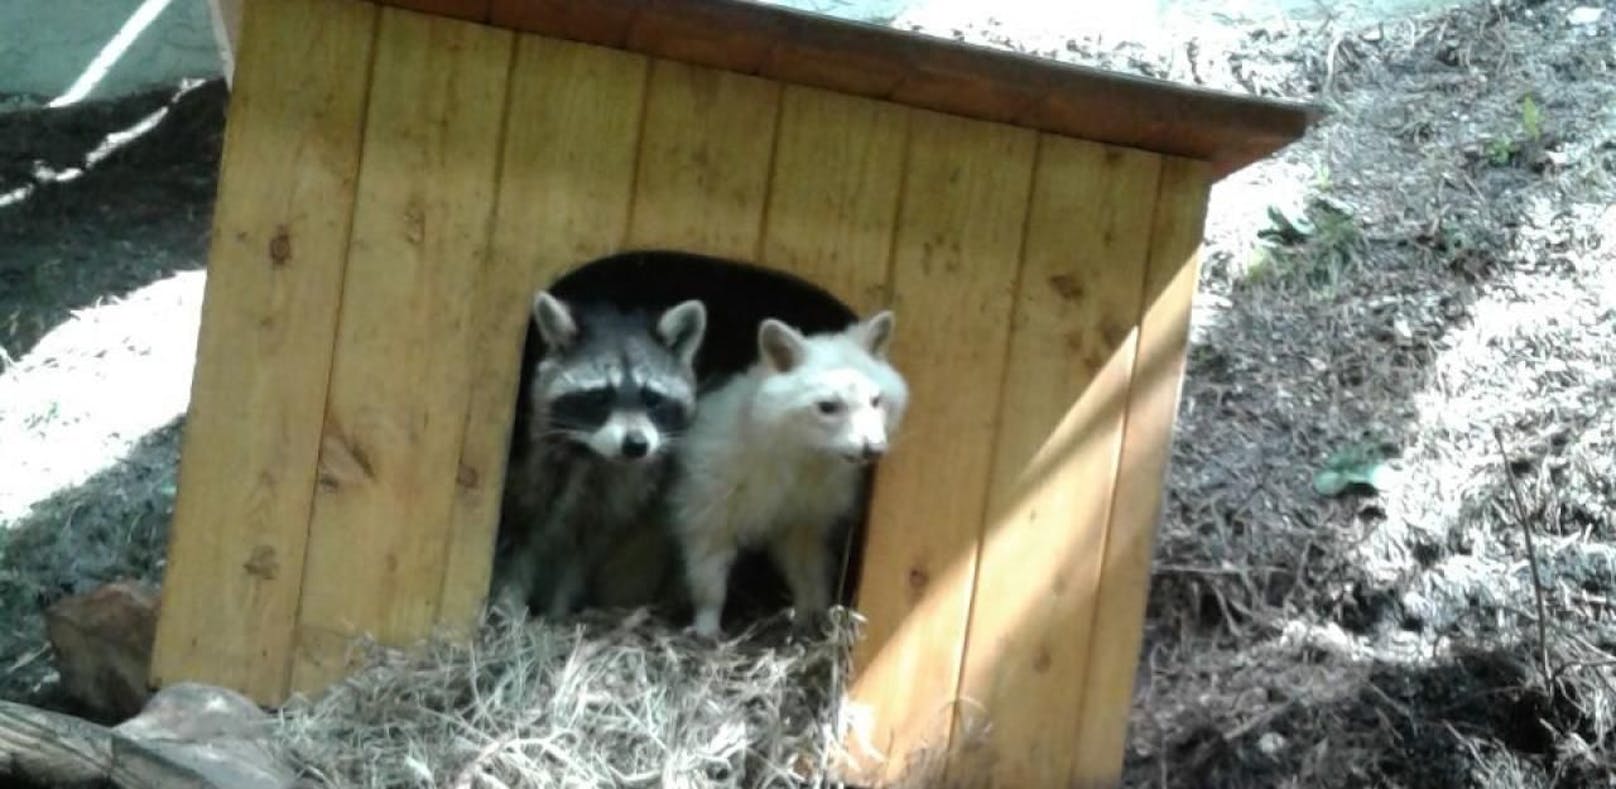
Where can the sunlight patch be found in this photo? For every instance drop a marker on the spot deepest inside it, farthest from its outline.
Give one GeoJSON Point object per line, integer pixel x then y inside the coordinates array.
{"type": "Point", "coordinates": [93, 386]}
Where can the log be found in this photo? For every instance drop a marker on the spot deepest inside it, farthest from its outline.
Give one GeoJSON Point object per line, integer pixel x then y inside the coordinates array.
{"type": "Point", "coordinates": [52, 749]}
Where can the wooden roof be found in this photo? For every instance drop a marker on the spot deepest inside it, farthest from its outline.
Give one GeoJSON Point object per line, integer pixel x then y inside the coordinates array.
{"type": "Point", "coordinates": [1228, 130]}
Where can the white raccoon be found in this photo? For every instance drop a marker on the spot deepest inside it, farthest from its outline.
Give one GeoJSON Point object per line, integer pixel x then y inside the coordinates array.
{"type": "Point", "coordinates": [775, 456]}
{"type": "Point", "coordinates": [609, 397]}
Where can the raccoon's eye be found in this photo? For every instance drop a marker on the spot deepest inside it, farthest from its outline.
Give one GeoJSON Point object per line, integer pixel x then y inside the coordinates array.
{"type": "Point", "coordinates": [875, 402]}
{"type": "Point", "coordinates": [829, 407]}
{"type": "Point", "coordinates": [651, 397]}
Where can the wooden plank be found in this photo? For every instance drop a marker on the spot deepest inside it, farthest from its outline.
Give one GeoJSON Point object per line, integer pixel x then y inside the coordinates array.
{"type": "Point", "coordinates": [566, 182]}
{"type": "Point", "coordinates": [279, 245]}
{"type": "Point", "coordinates": [1146, 445]}
{"type": "Point", "coordinates": [704, 161]}
{"type": "Point", "coordinates": [1071, 357]}
{"type": "Point", "coordinates": [833, 203]}
{"type": "Point", "coordinates": [813, 50]}
{"type": "Point", "coordinates": [955, 262]}
{"type": "Point", "coordinates": [400, 380]}
{"type": "Point", "coordinates": [468, 10]}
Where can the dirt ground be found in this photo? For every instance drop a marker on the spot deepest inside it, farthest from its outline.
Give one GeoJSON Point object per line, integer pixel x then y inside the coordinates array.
{"type": "Point", "coordinates": [1397, 413]}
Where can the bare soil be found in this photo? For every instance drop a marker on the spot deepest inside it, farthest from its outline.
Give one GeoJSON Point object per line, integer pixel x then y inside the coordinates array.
{"type": "Point", "coordinates": [100, 284]}
{"type": "Point", "coordinates": [1419, 297]}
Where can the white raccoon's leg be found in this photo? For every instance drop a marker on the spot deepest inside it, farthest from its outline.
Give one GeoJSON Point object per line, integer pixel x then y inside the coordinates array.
{"type": "Point", "coordinates": [800, 553]}
{"type": "Point", "coordinates": [707, 566]}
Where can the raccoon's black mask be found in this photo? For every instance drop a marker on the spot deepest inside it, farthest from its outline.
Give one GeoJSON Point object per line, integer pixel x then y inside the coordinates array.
{"type": "Point", "coordinates": [620, 384]}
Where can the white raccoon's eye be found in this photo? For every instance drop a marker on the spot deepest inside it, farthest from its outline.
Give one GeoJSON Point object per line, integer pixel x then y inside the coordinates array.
{"type": "Point", "coordinates": [829, 407]}
{"type": "Point", "coordinates": [875, 402]}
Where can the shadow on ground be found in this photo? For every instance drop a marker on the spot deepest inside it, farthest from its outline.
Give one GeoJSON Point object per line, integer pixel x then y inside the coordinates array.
{"type": "Point", "coordinates": [1472, 720]}
{"type": "Point", "coordinates": [113, 526]}
{"type": "Point", "coordinates": [132, 218]}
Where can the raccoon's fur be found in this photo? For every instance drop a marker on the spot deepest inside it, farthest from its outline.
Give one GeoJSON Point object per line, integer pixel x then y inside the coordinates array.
{"type": "Point", "coordinates": [775, 456]}
{"type": "Point", "coordinates": [608, 399]}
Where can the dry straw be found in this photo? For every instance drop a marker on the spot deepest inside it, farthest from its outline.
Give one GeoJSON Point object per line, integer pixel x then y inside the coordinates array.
{"type": "Point", "coordinates": [599, 701]}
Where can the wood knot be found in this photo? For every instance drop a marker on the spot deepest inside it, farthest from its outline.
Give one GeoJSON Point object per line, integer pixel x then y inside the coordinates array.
{"type": "Point", "coordinates": [1042, 660]}
{"type": "Point", "coordinates": [918, 580]}
{"type": "Point", "coordinates": [280, 247]}
{"type": "Point", "coordinates": [1066, 286]}
{"type": "Point", "coordinates": [342, 462]}
{"type": "Point", "coordinates": [467, 476]}
{"type": "Point", "coordinates": [1114, 333]}
{"type": "Point", "coordinates": [262, 563]}
{"type": "Point", "coordinates": [414, 223]}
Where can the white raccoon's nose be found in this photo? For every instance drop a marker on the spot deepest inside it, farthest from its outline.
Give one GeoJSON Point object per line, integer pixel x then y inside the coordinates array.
{"type": "Point", "coordinates": [873, 449]}
{"type": "Point", "coordinates": [635, 445]}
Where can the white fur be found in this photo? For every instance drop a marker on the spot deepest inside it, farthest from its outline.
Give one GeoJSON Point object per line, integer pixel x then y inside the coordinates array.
{"type": "Point", "coordinates": [763, 465]}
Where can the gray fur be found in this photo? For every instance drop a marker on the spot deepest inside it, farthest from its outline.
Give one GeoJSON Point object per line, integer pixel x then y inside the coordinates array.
{"type": "Point", "coordinates": [574, 497]}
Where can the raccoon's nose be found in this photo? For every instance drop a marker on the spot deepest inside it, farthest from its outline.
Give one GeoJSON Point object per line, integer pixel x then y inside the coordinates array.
{"type": "Point", "coordinates": [873, 449]}
{"type": "Point", "coordinates": [635, 445]}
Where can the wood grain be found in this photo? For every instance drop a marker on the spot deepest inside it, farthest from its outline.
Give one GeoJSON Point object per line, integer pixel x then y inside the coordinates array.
{"type": "Point", "coordinates": [275, 268]}
{"type": "Point", "coordinates": [833, 201]}
{"type": "Point", "coordinates": [955, 260]}
{"type": "Point", "coordinates": [566, 183]}
{"type": "Point", "coordinates": [468, 10]}
{"type": "Point", "coordinates": [1169, 288]}
{"type": "Point", "coordinates": [400, 379]}
{"type": "Point", "coordinates": [703, 170]}
{"type": "Point", "coordinates": [1070, 359]}
{"type": "Point", "coordinates": [801, 48]}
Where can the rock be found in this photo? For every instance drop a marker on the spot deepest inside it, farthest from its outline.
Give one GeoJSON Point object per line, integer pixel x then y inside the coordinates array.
{"type": "Point", "coordinates": [217, 733]}
{"type": "Point", "coordinates": [103, 643]}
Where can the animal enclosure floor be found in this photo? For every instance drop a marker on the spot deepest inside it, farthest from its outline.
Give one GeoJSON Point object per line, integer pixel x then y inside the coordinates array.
{"type": "Point", "coordinates": [1434, 263]}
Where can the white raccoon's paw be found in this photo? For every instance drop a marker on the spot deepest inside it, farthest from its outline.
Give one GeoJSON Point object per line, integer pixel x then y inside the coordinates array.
{"type": "Point", "coordinates": [706, 624]}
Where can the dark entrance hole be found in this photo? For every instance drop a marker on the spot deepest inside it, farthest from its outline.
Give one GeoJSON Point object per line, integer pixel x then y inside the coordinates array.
{"type": "Point", "coordinates": [738, 296]}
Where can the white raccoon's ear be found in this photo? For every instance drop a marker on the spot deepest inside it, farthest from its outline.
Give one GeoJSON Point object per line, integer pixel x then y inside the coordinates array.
{"type": "Point", "coordinates": [555, 321]}
{"type": "Point", "coordinates": [876, 333]}
{"type": "Point", "coordinates": [780, 346]}
{"type": "Point", "coordinates": [682, 327]}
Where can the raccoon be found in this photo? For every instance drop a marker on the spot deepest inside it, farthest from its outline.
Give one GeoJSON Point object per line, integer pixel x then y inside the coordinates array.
{"type": "Point", "coordinates": [774, 458]}
{"type": "Point", "coordinates": [611, 394]}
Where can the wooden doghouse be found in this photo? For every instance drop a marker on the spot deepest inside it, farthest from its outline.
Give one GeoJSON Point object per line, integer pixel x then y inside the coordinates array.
{"type": "Point", "coordinates": [396, 182]}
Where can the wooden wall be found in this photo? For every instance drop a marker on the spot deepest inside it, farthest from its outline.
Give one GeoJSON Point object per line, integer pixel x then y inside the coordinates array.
{"type": "Point", "coordinates": [395, 185]}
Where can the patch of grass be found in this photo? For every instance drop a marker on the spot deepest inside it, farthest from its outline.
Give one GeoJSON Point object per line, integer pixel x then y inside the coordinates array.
{"type": "Point", "coordinates": [1310, 250]}
{"type": "Point", "coordinates": [1521, 145]}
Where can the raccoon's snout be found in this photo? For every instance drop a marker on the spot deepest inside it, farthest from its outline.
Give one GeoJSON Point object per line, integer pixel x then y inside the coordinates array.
{"type": "Point", "coordinates": [635, 445]}
{"type": "Point", "coordinates": [628, 437]}
{"type": "Point", "coordinates": [868, 452]}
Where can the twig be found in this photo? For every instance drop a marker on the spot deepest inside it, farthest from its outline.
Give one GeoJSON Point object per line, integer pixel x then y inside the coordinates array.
{"type": "Point", "coordinates": [1531, 557]}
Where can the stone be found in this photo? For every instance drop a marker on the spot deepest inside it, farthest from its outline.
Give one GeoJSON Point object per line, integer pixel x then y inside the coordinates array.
{"type": "Point", "coordinates": [215, 732]}
{"type": "Point", "coordinates": [102, 641]}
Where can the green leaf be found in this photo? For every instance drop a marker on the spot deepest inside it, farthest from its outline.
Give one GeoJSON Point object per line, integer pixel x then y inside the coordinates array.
{"type": "Point", "coordinates": [1352, 469]}
{"type": "Point", "coordinates": [1329, 483]}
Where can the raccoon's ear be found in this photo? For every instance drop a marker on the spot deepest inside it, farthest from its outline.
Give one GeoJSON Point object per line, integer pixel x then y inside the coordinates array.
{"type": "Point", "coordinates": [876, 333]}
{"type": "Point", "coordinates": [555, 321]}
{"type": "Point", "coordinates": [682, 328]}
{"type": "Point", "coordinates": [780, 346]}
